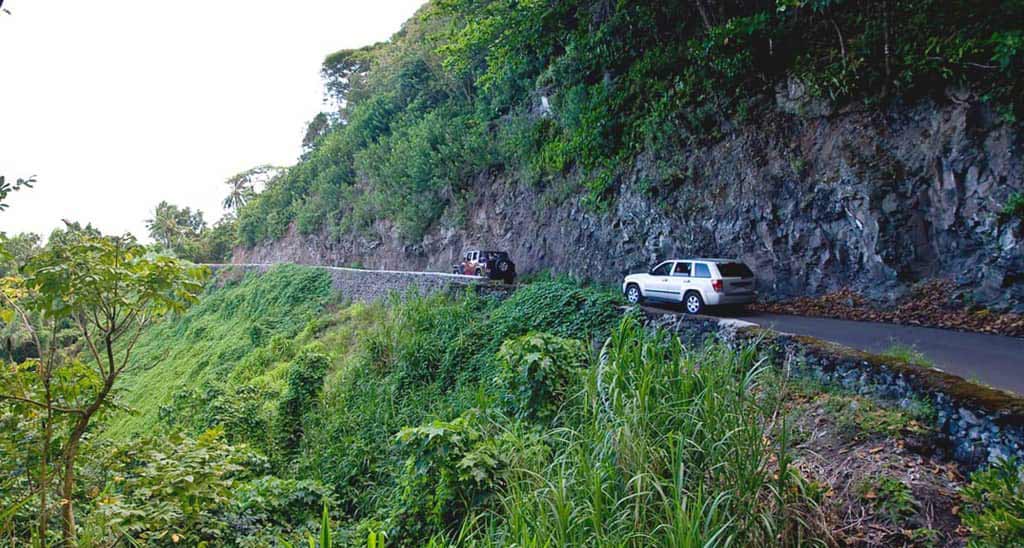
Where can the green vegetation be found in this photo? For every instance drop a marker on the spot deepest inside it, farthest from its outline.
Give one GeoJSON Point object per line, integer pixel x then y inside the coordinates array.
{"type": "Point", "coordinates": [83, 301]}
{"type": "Point", "coordinates": [184, 233]}
{"type": "Point", "coordinates": [890, 497]}
{"type": "Point", "coordinates": [907, 354]}
{"type": "Point", "coordinates": [995, 505]}
{"type": "Point", "coordinates": [564, 95]}
{"type": "Point", "coordinates": [246, 330]}
{"type": "Point", "coordinates": [1014, 208]}
{"type": "Point", "coordinates": [860, 417]}
{"type": "Point", "coordinates": [446, 419]}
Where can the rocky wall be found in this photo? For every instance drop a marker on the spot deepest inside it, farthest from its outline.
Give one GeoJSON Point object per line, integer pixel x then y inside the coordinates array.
{"type": "Point", "coordinates": [982, 425]}
{"type": "Point", "coordinates": [874, 199]}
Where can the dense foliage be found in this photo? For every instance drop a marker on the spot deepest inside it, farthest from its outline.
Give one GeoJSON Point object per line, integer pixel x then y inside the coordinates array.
{"type": "Point", "coordinates": [447, 419]}
{"type": "Point", "coordinates": [566, 93]}
{"type": "Point", "coordinates": [83, 301]}
{"type": "Point", "coordinates": [185, 234]}
{"type": "Point", "coordinates": [995, 505]}
{"type": "Point", "coordinates": [464, 419]}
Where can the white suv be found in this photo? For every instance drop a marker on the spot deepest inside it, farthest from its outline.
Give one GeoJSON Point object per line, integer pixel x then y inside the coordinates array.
{"type": "Point", "coordinates": [694, 282]}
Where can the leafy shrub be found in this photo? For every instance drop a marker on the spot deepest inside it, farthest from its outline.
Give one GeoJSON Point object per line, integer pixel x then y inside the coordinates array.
{"type": "Point", "coordinates": [995, 505]}
{"type": "Point", "coordinates": [536, 372]}
{"type": "Point", "coordinates": [162, 492]}
{"type": "Point", "coordinates": [559, 307]}
{"type": "Point", "coordinates": [270, 506]}
{"type": "Point", "coordinates": [305, 380]}
{"type": "Point", "coordinates": [890, 497]}
{"type": "Point", "coordinates": [450, 468]}
{"type": "Point", "coordinates": [1014, 208]}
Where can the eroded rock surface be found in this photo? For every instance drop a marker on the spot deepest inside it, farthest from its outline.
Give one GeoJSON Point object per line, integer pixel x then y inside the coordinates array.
{"type": "Point", "coordinates": [813, 200]}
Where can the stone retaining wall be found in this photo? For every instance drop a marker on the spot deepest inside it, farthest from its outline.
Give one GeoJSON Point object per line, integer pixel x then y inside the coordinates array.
{"type": "Point", "coordinates": [369, 285]}
{"type": "Point", "coordinates": [981, 424]}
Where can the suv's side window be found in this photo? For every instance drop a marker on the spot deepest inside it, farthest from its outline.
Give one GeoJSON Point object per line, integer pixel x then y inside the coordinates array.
{"type": "Point", "coordinates": [682, 269]}
{"type": "Point", "coordinates": [662, 269]}
{"type": "Point", "coordinates": [701, 270]}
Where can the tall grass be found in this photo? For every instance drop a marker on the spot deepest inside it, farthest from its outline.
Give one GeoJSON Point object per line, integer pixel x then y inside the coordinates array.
{"type": "Point", "coordinates": [651, 444]}
{"type": "Point", "coordinates": [663, 446]}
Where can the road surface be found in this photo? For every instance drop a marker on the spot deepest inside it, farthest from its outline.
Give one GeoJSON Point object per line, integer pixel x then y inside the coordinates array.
{"type": "Point", "coordinates": [995, 360]}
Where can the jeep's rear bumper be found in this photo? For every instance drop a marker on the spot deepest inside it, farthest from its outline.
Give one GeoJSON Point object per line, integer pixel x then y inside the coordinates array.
{"type": "Point", "coordinates": [718, 299]}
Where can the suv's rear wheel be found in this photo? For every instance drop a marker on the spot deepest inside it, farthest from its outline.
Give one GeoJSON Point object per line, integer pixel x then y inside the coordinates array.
{"type": "Point", "coordinates": [693, 303]}
{"type": "Point", "coordinates": [633, 295]}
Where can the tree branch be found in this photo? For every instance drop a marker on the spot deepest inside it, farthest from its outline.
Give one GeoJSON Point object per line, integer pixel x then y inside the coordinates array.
{"type": "Point", "coordinates": [41, 405]}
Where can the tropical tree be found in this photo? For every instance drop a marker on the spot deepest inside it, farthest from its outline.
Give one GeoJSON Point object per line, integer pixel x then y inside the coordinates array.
{"type": "Point", "coordinates": [84, 301]}
{"type": "Point", "coordinates": [243, 185]}
{"type": "Point", "coordinates": [176, 228]}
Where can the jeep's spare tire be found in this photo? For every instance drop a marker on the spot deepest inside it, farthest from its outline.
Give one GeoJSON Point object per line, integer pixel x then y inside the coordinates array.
{"type": "Point", "coordinates": [502, 266]}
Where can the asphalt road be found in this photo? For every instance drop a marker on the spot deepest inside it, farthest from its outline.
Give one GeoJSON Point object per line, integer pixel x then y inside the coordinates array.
{"type": "Point", "coordinates": [995, 360]}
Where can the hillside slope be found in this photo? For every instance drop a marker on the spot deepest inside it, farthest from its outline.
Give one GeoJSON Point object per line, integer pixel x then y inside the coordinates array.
{"type": "Point", "coordinates": [462, 420]}
{"type": "Point", "coordinates": [849, 144]}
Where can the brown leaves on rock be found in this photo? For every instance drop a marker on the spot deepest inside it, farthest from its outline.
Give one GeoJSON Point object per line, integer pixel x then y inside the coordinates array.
{"type": "Point", "coordinates": [931, 304]}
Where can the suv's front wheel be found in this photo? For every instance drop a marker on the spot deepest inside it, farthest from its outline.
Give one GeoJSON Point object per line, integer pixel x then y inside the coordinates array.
{"type": "Point", "coordinates": [693, 303]}
{"type": "Point", "coordinates": [633, 295]}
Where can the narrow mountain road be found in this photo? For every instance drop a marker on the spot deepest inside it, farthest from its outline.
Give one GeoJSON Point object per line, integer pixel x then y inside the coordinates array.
{"type": "Point", "coordinates": [995, 360]}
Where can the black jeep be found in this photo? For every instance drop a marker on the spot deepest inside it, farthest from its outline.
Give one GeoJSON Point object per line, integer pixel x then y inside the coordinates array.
{"type": "Point", "coordinates": [495, 265]}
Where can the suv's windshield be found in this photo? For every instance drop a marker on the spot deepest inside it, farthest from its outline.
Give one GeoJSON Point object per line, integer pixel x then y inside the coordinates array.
{"type": "Point", "coordinates": [734, 270]}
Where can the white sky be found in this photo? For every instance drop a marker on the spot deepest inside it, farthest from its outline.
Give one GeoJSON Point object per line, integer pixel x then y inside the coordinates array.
{"type": "Point", "coordinates": [117, 104]}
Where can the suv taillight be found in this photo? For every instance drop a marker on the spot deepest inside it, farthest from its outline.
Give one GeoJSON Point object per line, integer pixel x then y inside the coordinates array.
{"type": "Point", "coordinates": [716, 285]}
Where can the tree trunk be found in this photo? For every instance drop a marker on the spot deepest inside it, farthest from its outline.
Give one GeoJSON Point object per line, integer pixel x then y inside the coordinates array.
{"type": "Point", "coordinates": [68, 489]}
{"type": "Point", "coordinates": [44, 479]}
{"type": "Point", "coordinates": [71, 449]}
{"type": "Point", "coordinates": [44, 462]}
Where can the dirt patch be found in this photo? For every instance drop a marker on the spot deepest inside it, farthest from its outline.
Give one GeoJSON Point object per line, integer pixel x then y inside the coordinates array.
{"type": "Point", "coordinates": [930, 304]}
{"type": "Point", "coordinates": [885, 481]}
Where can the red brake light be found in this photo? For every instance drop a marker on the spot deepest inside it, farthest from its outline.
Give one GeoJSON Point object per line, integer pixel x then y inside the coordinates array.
{"type": "Point", "coordinates": [716, 285]}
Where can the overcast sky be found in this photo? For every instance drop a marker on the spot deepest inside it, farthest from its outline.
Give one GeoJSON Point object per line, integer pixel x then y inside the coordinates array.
{"type": "Point", "coordinates": [117, 104]}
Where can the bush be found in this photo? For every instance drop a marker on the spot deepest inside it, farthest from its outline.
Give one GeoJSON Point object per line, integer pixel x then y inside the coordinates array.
{"type": "Point", "coordinates": [995, 505]}
{"type": "Point", "coordinates": [162, 492]}
{"type": "Point", "coordinates": [559, 307]}
{"type": "Point", "coordinates": [1014, 208]}
{"type": "Point", "coordinates": [889, 497]}
{"type": "Point", "coordinates": [450, 468]}
{"type": "Point", "coordinates": [663, 447]}
{"type": "Point", "coordinates": [269, 506]}
{"type": "Point", "coordinates": [305, 380]}
{"type": "Point", "coordinates": [536, 372]}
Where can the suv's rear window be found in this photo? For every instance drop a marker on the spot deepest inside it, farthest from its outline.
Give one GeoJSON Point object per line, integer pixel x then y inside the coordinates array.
{"type": "Point", "coordinates": [734, 270]}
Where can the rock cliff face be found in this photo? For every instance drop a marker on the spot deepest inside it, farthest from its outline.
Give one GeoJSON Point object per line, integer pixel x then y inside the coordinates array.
{"type": "Point", "coordinates": [812, 199]}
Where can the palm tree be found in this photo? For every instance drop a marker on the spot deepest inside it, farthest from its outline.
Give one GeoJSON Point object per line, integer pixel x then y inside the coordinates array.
{"type": "Point", "coordinates": [243, 184]}
{"type": "Point", "coordinates": [241, 191]}
{"type": "Point", "coordinates": [164, 227]}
